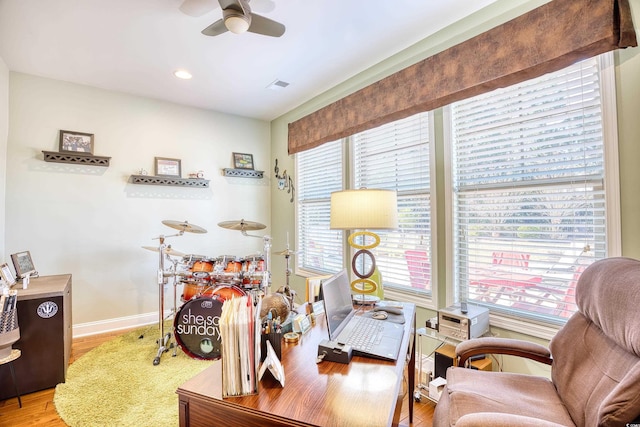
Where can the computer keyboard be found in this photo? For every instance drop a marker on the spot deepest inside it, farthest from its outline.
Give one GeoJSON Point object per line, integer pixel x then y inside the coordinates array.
{"type": "Point", "coordinates": [366, 333]}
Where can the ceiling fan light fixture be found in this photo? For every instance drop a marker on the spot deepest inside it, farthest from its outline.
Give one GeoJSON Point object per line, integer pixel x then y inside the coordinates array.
{"type": "Point", "coordinates": [237, 23]}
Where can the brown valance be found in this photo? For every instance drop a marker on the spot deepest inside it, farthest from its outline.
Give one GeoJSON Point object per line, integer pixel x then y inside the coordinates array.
{"type": "Point", "coordinates": [546, 39]}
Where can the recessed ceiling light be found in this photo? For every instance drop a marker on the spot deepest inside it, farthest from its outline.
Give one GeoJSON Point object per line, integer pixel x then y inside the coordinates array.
{"type": "Point", "coordinates": [277, 85]}
{"type": "Point", "coordinates": [182, 74]}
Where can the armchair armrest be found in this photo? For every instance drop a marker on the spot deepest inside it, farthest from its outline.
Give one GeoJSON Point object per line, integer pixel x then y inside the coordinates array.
{"type": "Point", "coordinates": [495, 419]}
{"type": "Point", "coordinates": [512, 347]}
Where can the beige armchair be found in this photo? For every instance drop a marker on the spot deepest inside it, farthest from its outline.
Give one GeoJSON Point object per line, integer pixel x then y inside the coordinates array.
{"type": "Point", "coordinates": [594, 358]}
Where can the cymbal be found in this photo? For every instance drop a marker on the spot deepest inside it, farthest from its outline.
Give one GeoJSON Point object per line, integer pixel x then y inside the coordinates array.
{"type": "Point", "coordinates": [287, 252]}
{"type": "Point", "coordinates": [242, 225]}
{"type": "Point", "coordinates": [184, 226]}
{"type": "Point", "coordinates": [168, 250]}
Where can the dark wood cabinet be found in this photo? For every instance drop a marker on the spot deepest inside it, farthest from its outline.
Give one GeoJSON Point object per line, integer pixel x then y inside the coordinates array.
{"type": "Point", "coordinates": [44, 319]}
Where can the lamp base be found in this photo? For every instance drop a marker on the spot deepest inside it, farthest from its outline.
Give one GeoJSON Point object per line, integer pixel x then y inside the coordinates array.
{"type": "Point", "coordinates": [365, 299]}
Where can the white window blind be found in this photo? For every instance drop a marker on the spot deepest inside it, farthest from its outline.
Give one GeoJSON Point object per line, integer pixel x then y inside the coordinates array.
{"type": "Point", "coordinates": [319, 173]}
{"type": "Point", "coordinates": [395, 156]}
{"type": "Point", "coordinates": [528, 192]}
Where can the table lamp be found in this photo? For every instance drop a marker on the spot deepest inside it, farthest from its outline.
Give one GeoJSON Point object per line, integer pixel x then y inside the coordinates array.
{"type": "Point", "coordinates": [364, 209]}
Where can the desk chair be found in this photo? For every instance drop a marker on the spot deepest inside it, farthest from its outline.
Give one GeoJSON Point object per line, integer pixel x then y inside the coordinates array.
{"type": "Point", "coordinates": [594, 358]}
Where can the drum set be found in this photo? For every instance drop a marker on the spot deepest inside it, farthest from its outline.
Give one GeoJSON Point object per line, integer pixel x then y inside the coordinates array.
{"type": "Point", "coordinates": [207, 283]}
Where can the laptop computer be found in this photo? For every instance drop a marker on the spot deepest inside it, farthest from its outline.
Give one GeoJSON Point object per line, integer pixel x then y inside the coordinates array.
{"type": "Point", "coordinates": [383, 338]}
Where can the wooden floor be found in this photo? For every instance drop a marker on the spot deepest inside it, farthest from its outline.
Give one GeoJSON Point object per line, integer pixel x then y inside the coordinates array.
{"type": "Point", "coordinates": [38, 408]}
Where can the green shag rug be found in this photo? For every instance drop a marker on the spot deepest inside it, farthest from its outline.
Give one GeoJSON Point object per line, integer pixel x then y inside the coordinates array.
{"type": "Point", "coordinates": [116, 384]}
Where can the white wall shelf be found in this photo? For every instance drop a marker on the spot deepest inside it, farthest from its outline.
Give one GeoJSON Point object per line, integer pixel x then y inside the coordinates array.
{"type": "Point", "coordinates": [76, 158]}
{"type": "Point", "coordinates": [243, 173]}
{"type": "Point", "coordinates": [170, 181]}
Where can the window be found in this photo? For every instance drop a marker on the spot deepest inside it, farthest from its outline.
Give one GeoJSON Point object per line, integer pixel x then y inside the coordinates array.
{"type": "Point", "coordinates": [528, 192]}
{"type": "Point", "coordinates": [393, 156]}
{"type": "Point", "coordinates": [319, 173]}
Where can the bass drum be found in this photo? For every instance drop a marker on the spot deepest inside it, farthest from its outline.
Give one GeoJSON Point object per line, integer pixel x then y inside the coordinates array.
{"type": "Point", "coordinates": [197, 323]}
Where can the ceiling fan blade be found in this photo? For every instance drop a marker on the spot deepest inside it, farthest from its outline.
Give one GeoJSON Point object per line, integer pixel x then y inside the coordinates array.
{"type": "Point", "coordinates": [215, 29]}
{"type": "Point", "coordinates": [197, 8]}
{"type": "Point", "coordinates": [265, 26]}
{"type": "Point", "coordinates": [232, 4]}
{"type": "Point", "coordinates": [263, 6]}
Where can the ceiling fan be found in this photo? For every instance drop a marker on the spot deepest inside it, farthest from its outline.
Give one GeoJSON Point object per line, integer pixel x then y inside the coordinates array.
{"type": "Point", "coordinates": [236, 17]}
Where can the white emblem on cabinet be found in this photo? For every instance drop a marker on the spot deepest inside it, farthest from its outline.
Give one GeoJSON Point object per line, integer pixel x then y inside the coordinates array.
{"type": "Point", "coordinates": [47, 309]}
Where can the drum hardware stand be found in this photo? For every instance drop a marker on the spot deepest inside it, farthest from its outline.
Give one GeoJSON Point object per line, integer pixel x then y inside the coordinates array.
{"type": "Point", "coordinates": [164, 341]}
{"type": "Point", "coordinates": [286, 290]}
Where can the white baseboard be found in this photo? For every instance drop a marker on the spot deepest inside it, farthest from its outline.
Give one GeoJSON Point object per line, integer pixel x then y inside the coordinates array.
{"type": "Point", "coordinates": [110, 325]}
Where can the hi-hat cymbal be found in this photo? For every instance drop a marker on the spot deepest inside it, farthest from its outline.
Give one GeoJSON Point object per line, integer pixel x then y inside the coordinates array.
{"type": "Point", "coordinates": [287, 252]}
{"type": "Point", "coordinates": [242, 225]}
{"type": "Point", "coordinates": [184, 226]}
{"type": "Point", "coordinates": [168, 250]}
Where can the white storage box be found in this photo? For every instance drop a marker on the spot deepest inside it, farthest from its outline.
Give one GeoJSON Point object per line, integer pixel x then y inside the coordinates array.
{"type": "Point", "coordinates": [435, 388]}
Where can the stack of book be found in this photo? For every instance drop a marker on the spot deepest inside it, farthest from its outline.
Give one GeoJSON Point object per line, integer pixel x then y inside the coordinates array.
{"type": "Point", "coordinates": [240, 329]}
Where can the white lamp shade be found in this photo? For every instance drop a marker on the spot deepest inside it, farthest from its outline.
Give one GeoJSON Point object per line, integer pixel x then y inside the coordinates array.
{"type": "Point", "coordinates": [364, 209]}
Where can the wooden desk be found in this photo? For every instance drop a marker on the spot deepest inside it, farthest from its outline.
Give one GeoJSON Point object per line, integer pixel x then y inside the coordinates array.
{"type": "Point", "coordinates": [362, 393]}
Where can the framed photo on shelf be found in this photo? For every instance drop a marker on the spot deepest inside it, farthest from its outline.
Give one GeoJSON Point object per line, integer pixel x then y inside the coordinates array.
{"type": "Point", "coordinates": [23, 264]}
{"type": "Point", "coordinates": [76, 142]}
{"type": "Point", "coordinates": [168, 167]}
{"type": "Point", "coordinates": [242, 161]}
{"type": "Point", "coordinates": [7, 275]}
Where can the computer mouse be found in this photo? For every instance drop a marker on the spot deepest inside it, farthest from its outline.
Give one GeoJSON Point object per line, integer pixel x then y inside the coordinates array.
{"type": "Point", "coordinates": [379, 315]}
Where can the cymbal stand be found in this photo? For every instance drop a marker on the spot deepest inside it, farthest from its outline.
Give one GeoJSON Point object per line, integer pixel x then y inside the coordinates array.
{"type": "Point", "coordinates": [266, 274]}
{"type": "Point", "coordinates": [163, 341]}
{"type": "Point", "coordinates": [287, 291]}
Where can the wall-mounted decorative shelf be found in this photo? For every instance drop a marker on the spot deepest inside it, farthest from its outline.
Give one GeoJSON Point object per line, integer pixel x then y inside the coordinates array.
{"type": "Point", "coordinates": [243, 173]}
{"type": "Point", "coordinates": [165, 180]}
{"type": "Point", "coordinates": [76, 158]}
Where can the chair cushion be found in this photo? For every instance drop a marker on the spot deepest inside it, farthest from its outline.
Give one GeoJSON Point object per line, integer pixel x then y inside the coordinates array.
{"type": "Point", "coordinates": [471, 391]}
{"type": "Point", "coordinates": [607, 293]}
{"type": "Point", "coordinates": [599, 381]}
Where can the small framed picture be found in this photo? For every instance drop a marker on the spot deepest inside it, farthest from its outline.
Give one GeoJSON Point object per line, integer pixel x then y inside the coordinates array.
{"type": "Point", "coordinates": [168, 167]}
{"type": "Point", "coordinates": [76, 142]}
{"type": "Point", "coordinates": [7, 275]}
{"type": "Point", "coordinates": [242, 161]}
{"type": "Point", "coordinates": [23, 264]}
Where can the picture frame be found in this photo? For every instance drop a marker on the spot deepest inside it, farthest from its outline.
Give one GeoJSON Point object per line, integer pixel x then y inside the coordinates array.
{"type": "Point", "coordinates": [23, 264]}
{"type": "Point", "coordinates": [243, 161]}
{"type": "Point", "coordinates": [76, 142]}
{"type": "Point", "coordinates": [165, 166]}
{"type": "Point", "coordinates": [7, 275]}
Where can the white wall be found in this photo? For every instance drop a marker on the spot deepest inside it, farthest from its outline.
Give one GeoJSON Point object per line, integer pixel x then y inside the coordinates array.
{"type": "Point", "coordinates": [4, 130]}
{"type": "Point", "coordinates": [90, 222]}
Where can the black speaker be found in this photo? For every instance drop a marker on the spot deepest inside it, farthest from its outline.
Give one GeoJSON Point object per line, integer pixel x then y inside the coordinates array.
{"type": "Point", "coordinates": [444, 358]}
